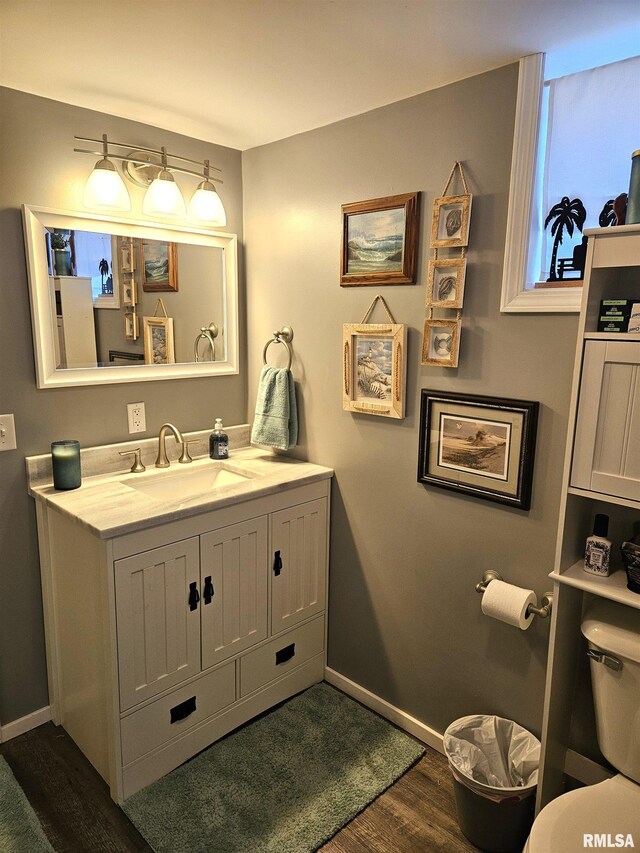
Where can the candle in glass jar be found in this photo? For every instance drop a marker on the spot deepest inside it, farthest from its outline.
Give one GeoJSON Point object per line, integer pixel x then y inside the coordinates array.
{"type": "Point", "coordinates": [65, 462]}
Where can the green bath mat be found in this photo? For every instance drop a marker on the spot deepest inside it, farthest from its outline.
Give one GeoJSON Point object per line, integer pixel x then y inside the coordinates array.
{"type": "Point", "coordinates": [284, 784]}
{"type": "Point", "coordinates": [20, 830]}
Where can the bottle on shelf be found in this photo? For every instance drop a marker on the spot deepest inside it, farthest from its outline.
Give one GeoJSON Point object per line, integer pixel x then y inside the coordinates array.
{"type": "Point", "coordinates": [597, 553]}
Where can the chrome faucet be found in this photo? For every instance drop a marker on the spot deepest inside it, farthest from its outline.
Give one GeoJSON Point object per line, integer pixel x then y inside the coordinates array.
{"type": "Point", "coordinates": [162, 460]}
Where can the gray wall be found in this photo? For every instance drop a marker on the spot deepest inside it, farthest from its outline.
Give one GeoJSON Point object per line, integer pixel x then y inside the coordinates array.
{"type": "Point", "coordinates": [38, 167]}
{"type": "Point", "coordinates": [405, 621]}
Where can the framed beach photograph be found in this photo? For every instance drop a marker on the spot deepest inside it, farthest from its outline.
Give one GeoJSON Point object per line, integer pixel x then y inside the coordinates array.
{"type": "Point", "coordinates": [480, 446]}
{"type": "Point", "coordinates": [441, 343]}
{"type": "Point", "coordinates": [445, 283]}
{"type": "Point", "coordinates": [158, 340]}
{"type": "Point", "coordinates": [131, 326]}
{"type": "Point", "coordinates": [450, 224]}
{"type": "Point", "coordinates": [159, 263]}
{"type": "Point", "coordinates": [380, 241]}
{"type": "Point", "coordinates": [373, 366]}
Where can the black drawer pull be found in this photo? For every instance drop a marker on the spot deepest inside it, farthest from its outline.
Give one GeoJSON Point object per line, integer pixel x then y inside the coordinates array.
{"type": "Point", "coordinates": [181, 711]}
{"type": "Point", "coordinates": [285, 654]}
{"type": "Point", "coordinates": [277, 563]}
{"type": "Point", "coordinates": [194, 596]}
{"type": "Point", "coordinates": [208, 591]}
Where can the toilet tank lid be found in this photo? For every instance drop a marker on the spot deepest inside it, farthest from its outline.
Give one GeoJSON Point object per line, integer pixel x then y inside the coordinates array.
{"type": "Point", "coordinates": [613, 628]}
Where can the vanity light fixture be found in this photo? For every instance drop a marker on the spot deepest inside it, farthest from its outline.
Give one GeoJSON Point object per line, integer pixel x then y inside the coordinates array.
{"type": "Point", "coordinates": [152, 168]}
{"type": "Point", "coordinates": [105, 188]}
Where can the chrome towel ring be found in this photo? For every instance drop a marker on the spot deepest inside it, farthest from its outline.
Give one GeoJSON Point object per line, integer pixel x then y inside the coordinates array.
{"type": "Point", "coordinates": [284, 336]}
{"type": "Point", "coordinates": [208, 333]}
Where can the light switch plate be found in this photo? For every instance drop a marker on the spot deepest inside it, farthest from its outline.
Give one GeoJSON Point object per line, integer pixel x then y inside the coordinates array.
{"type": "Point", "coordinates": [7, 433]}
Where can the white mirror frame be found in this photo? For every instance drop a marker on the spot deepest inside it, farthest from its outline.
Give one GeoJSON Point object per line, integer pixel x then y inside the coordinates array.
{"type": "Point", "coordinates": [43, 323]}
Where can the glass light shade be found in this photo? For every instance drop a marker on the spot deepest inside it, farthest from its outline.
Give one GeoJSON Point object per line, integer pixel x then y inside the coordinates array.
{"type": "Point", "coordinates": [105, 188]}
{"type": "Point", "coordinates": [163, 198]}
{"type": "Point", "coordinates": [206, 205]}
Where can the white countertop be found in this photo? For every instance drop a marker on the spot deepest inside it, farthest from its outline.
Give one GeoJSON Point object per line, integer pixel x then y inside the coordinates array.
{"type": "Point", "coordinates": [105, 505]}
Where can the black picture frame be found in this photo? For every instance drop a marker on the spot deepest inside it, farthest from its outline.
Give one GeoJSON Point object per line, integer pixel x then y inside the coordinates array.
{"type": "Point", "coordinates": [479, 446]}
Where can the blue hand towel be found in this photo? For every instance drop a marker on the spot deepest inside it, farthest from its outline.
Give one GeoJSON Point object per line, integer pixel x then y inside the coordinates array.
{"type": "Point", "coordinates": [276, 419]}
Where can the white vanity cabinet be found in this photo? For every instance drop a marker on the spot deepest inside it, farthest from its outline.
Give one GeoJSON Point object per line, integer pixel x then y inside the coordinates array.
{"type": "Point", "coordinates": [601, 475]}
{"type": "Point", "coordinates": [163, 639]}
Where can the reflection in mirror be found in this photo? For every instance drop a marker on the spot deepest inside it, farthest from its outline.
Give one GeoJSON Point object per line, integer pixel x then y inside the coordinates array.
{"type": "Point", "coordinates": [119, 301]}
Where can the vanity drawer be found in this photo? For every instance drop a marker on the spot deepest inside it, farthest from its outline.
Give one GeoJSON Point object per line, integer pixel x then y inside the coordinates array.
{"type": "Point", "coordinates": [152, 726]}
{"type": "Point", "coordinates": [281, 656]}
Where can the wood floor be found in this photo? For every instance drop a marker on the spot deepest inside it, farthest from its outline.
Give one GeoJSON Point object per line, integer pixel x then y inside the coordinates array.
{"type": "Point", "coordinates": [416, 815]}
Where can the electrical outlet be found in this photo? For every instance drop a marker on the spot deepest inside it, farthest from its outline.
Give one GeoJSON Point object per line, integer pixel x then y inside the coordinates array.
{"type": "Point", "coordinates": [7, 433]}
{"type": "Point", "coordinates": [136, 418]}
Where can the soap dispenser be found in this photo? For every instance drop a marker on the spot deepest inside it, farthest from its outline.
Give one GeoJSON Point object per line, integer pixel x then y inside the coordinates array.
{"type": "Point", "coordinates": [597, 553]}
{"type": "Point", "coordinates": [218, 442]}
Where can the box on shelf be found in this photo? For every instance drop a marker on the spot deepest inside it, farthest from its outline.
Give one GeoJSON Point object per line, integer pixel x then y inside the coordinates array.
{"type": "Point", "coordinates": [634, 319]}
{"type": "Point", "coordinates": [614, 315]}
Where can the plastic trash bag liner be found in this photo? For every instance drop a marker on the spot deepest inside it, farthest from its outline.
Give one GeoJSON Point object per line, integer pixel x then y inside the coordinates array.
{"type": "Point", "coordinates": [494, 757]}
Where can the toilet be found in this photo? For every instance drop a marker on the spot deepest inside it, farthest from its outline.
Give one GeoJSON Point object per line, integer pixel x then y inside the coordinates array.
{"type": "Point", "coordinates": [606, 815]}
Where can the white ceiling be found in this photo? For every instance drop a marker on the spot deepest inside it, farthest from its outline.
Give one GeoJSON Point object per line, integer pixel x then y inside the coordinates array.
{"type": "Point", "coordinates": [246, 72]}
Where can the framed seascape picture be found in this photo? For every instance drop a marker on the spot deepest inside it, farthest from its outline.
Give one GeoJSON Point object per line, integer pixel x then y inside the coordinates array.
{"type": "Point", "coordinates": [441, 343]}
{"type": "Point", "coordinates": [480, 446]}
{"type": "Point", "coordinates": [445, 283]}
{"type": "Point", "coordinates": [373, 365]}
{"type": "Point", "coordinates": [158, 340]}
{"type": "Point", "coordinates": [159, 262]}
{"type": "Point", "coordinates": [380, 241]}
{"type": "Point", "coordinates": [450, 224]}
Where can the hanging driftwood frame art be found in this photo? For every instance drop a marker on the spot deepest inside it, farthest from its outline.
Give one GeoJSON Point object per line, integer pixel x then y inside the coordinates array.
{"type": "Point", "coordinates": [445, 283]}
{"type": "Point", "coordinates": [380, 241]}
{"type": "Point", "coordinates": [441, 342]}
{"type": "Point", "coordinates": [373, 368]}
{"type": "Point", "coordinates": [450, 224]}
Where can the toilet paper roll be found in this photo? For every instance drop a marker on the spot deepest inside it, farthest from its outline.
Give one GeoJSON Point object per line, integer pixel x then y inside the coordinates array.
{"type": "Point", "coordinates": [508, 603]}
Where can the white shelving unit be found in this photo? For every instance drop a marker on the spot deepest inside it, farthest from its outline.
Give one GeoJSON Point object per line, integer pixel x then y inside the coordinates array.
{"type": "Point", "coordinates": [603, 448]}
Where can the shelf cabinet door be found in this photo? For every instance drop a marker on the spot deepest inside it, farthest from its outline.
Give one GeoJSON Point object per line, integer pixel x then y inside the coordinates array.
{"type": "Point", "coordinates": [299, 553]}
{"type": "Point", "coordinates": [158, 632]}
{"type": "Point", "coordinates": [606, 457]}
{"type": "Point", "coordinates": [234, 613]}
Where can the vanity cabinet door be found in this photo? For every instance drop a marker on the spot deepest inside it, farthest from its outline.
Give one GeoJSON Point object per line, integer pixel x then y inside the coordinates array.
{"type": "Point", "coordinates": [299, 554]}
{"type": "Point", "coordinates": [234, 579]}
{"type": "Point", "coordinates": [158, 620]}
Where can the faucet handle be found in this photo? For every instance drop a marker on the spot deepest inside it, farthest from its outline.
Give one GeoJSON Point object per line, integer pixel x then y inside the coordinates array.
{"type": "Point", "coordinates": [184, 456]}
{"type": "Point", "coordinates": [137, 467]}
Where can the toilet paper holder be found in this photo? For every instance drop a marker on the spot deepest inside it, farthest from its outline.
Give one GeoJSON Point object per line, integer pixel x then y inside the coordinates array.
{"type": "Point", "coordinates": [547, 599]}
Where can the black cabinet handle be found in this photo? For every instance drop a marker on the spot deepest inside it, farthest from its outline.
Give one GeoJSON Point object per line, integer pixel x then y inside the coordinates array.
{"type": "Point", "coordinates": [208, 592]}
{"type": "Point", "coordinates": [277, 563]}
{"type": "Point", "coordinates": [181, 711]}
{"type": "Point", "coordinates": [194, 596]}
{"type": "Point", "coordinates": [285, 654]}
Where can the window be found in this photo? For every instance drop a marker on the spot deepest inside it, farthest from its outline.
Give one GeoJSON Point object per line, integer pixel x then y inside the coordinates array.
{"type": "Point", "coordinates": [563, 128]}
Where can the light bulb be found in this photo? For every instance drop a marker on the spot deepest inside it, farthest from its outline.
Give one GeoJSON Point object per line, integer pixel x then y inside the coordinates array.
{"type": "Point", "coordinates": [105, 188]}
{"type": "Point", "coordinates": [163, 198]}
{"type": "Point", "coordinates": [206, 205]}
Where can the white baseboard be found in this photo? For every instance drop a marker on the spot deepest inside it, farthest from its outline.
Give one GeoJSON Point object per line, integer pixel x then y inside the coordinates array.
{"type": "Point", "coordinates": [576, 765]}
{"type": "Point", "coordinates": [25, 724]}
{"type": "Point", "coordinates": [400, 718]}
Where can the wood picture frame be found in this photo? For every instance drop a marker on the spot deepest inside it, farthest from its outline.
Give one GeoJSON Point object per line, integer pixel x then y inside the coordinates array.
{"type": "Point", "coordinates": [129, 295]}
{"type": "Point", "coordinates": [127, 258]}
{"type": "Point", "coordinates": [158, 340]}
{"type": "Point", "coordinates": [445, 283]}
{"type": "Point", "coordinates": [131, 326]}
{"type": "Point", "coordinates": [380, 241]}
{"type": "Point", "coordinates": [450, 223]}
{"type": "Point", "coordinates": [159, 266]}
{"type": "Point", "coordinates": [479, 446]}
{"type": "Point", "coordinates": [374, 368]}
{"type": "Point", "coordinates": [441, 343]}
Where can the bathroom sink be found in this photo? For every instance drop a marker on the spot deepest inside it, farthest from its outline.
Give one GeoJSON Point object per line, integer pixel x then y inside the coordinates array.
{"type": "Point", "coordinates": [183, 482]}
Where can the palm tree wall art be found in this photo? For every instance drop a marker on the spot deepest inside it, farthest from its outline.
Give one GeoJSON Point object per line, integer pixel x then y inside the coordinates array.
{"type": "Point", "coordinates": [565, 215]}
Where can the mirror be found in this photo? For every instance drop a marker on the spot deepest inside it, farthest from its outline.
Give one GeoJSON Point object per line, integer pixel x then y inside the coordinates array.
{"type": "Point", "coordinates": [116, 300]}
